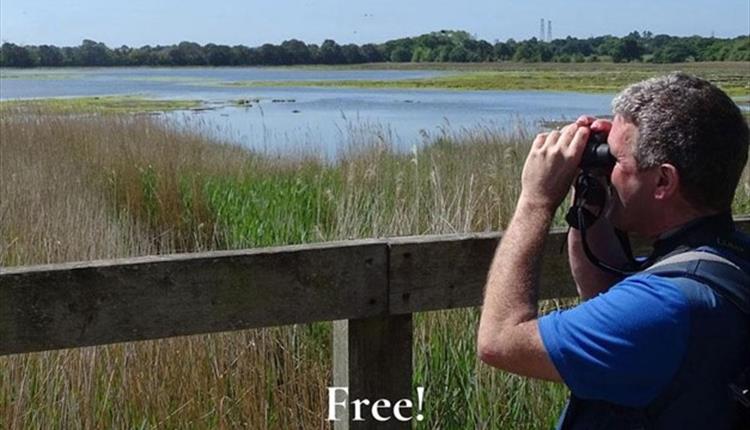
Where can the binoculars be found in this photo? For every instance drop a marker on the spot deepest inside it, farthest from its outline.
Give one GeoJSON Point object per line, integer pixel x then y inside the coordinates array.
{"type": "Point", "coordinates": [597, 154]}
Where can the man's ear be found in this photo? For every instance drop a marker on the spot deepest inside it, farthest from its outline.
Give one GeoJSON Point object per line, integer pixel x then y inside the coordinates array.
{"type": "Point", "coordinates": [668, 182]}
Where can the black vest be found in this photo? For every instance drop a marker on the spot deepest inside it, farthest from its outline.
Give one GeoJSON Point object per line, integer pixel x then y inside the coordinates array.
{"type": "Point", "coordinates": [698, 397]}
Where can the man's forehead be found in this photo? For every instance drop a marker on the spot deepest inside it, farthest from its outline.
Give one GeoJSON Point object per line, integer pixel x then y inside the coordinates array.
{"type": "Point", "coordinates": [621, 120]}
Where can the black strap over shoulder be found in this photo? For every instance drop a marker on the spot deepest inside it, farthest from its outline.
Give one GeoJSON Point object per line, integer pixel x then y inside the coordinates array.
{"type": "Point", "coordinates": [729, 281]}
{"type": "Point", "coordinates": [711, 251]}
{"type": "Point", "coordinates": [723, 276]}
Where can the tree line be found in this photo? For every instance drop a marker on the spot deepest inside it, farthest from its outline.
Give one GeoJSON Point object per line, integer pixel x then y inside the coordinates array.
{"type": "Point", "coordinates": [439, 46]}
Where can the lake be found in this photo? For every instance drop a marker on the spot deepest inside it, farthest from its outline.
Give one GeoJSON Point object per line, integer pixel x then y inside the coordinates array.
{"type": "Point", "coordinates": [281, 117]}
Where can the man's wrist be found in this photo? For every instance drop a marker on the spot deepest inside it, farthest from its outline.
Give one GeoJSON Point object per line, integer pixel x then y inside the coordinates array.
{"type": "Point", "coordinates": [535, 208]}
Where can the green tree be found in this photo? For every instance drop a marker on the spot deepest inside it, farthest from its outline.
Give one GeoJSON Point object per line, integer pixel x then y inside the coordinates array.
{"type": "Point", "coordinates": [402, 47]}
{"type": "Point", "coordinates": [273, 54]}
{"type": "Point", "coordinates": [92, 53]}
{"type": "Point", "coordinates": [431, 40]}
{"type": "Point", "coordinates": [422, 54]}
{"type": "Point", "coordinates": [676, 51]}
{"type": "Point", "coordinates": [69, 55]}
{"type": "Point", "coordinates": [352, 54]}
{"type": "Point", "coordinates": [330, 53]}
{"type": "Point", "coordinates": [458, 54]}
{"type": "Point", "coordinates": [532, 51]}
{"type": "Point", "coordinates": [572, 46]}
{"type": "Point", "coordinates": [484, 51]}
{"type": "Point", "coordinates": [50, 56]}
{"type": "Point", "coordinates": [739, 49]}
{"type": "Point", "coordinates": [144, 56]}
{"type": "Point", "coordinates": [440, 46]}
{"type": "Point", "coordinates": [372, 53]}
{"type": "Point", "coordinates": [443, 53]}
{"type": "Point", "coordinates": [160, 55]}
{"type": "Point", "coordinates": [314, 53]}
{"type": "Point", "coordinates": [188, 54]}
{"type": "Point", "coordinates": [218, 55]}
{"type": "Point", "coordinates": [606, 45]}
{"type": "Point", "coordinates": [503, 51]}
{"type": "Point", "coordinates": [401, 54]}
{"type": "Point", "coordinates": [121, 56]}
{"type": "Point", "coordinates": [298, 51]}
{"type": "Point", "coordinates": [525, 53]}
{"type": "Point", "coordinates": [244, 56]}
{"type": "Point", "coordinates": [455, 37]}
{"type": "Point", "coordinates": [627, 49]}
{"type": "Point", "coordinates": [17, 56]}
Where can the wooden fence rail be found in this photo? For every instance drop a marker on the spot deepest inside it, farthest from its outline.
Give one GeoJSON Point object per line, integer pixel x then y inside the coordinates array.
{"type": "Point", "coordinates": [369, 287]}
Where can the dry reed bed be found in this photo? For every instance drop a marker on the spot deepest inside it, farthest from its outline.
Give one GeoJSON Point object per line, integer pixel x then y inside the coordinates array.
{"type": "Point", "coordinates": [91, 187]}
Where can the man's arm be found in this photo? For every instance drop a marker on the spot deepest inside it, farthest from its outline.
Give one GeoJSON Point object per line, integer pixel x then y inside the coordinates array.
{"type": "Point", "coordinates": [508, 336]}
{"type": "Point", "coordinates": [508, 332]}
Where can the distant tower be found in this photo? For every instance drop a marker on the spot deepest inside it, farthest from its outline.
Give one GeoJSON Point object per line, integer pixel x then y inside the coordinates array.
{"type": "Point", "coordinates": [549, 30]}
{"type": "Point", "coordinates": [541, 30]}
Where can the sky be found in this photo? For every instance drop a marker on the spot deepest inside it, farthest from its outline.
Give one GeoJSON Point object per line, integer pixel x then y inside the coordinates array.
{"type": "Point", "coordinates": [254, 22]}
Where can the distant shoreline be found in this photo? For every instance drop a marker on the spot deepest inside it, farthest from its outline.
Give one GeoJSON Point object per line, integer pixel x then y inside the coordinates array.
{"type": "Point", "coordinates": [575, 77]}
{"type": "Point", "coordinates": [498, 76]}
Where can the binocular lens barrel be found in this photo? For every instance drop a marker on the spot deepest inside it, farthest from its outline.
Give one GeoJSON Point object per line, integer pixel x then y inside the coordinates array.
{"type": "Point", "coordinates": [597, 153]}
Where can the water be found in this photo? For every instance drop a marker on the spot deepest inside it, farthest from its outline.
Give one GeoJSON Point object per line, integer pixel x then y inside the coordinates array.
{"type": "Point", "coordinates": [279, 118]}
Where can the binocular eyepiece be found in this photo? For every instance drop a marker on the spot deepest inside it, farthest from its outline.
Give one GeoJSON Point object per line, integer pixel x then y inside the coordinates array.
{"type": "Point", "coordinates": [597, 154]}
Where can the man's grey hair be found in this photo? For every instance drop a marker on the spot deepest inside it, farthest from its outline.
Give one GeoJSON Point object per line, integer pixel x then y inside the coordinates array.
{"type": "Point", "coordinates": [689, 123]}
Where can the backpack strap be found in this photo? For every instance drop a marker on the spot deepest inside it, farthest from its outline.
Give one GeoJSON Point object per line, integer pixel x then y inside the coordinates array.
{"type": "Point", "coordinates": [726, 279]}
{"type": "Point", "coordinates": [722, 275]}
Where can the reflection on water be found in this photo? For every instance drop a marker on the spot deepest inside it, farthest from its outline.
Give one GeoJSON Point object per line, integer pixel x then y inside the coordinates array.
{"type": "Point", "coordinates": [318, 117]}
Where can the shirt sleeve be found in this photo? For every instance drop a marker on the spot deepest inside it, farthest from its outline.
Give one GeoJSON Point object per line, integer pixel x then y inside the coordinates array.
{"type": "Point", "coordinates": [623, 346]}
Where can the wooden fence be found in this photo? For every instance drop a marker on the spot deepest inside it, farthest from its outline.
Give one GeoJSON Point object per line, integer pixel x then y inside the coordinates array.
{"type": "Point", "coordinates": [369, 288]}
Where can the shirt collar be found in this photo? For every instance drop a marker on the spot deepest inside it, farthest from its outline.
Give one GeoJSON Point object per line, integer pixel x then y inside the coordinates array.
{"type": "Point", "coordinates": [698, 232]}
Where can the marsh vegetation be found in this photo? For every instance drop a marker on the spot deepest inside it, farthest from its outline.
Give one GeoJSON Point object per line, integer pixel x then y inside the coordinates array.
{"type": "Point", "coordinates": [85, 187]}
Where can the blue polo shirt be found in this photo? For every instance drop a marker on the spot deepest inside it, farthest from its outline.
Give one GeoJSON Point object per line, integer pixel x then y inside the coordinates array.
{"type": "Point", "coordinates": [623, 346]}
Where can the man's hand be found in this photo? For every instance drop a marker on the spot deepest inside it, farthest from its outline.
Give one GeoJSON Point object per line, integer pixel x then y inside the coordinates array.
{"type": "Point", "coordinates": [551, 167]}
{"type": "Point", "coordinates": [595, 124]}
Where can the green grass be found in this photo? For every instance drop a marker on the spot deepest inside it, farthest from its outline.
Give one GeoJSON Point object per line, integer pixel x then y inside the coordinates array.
{"type": "Point", "coordinates": [549, 81]}
{"type": "Point", "coordinates": [463, 393]}
{"type": "Point", "coordinates": [96, 104]}
{"type": "Point", "coordinates": [589, 77]}
{"type": "Point", "coordinates": [79, 188]}
{"type": "Point", "coordinates": [41, 74]}
{"type": "Point", "coordinates": [271, 210]}
{"type": "Point", "coordinates": [91, 187]}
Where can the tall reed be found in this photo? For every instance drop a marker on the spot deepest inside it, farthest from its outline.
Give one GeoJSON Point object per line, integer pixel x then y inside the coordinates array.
{"type": "Point", "coordinates": [92, 187]}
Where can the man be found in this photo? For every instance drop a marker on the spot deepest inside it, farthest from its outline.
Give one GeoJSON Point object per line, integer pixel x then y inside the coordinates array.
{"type": "Point", "coordinates": [642, 351]}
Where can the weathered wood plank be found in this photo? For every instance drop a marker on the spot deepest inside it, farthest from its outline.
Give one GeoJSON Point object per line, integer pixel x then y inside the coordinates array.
{"type": "Point", "coordinates": [439, 272]}
{"type": "Point", "coordinates": [79, 304]}
{"type": "Point", "coordinates": [445, 272]}
{"type": "Point", "coordinates": [92, 303]}
{"type": "Point", "coordinates": [372, 357]}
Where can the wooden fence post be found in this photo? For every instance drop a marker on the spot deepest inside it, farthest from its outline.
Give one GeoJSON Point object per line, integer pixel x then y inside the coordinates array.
{"type": "Point", "coordinates": [373, 358]}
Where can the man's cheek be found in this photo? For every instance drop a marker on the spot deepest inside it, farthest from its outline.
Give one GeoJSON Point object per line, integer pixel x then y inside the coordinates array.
{"type": "Point", "coordinates": [616, 212]}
